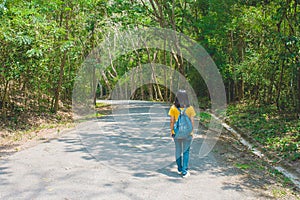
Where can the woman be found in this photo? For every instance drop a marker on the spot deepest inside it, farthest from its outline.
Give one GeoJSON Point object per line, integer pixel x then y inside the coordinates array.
{"type": "Point", "coordinates": [182, 146]}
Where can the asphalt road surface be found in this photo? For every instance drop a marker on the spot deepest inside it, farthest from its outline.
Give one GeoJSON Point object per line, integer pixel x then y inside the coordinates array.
{"type": "Point", "coordinates": [126, 155]}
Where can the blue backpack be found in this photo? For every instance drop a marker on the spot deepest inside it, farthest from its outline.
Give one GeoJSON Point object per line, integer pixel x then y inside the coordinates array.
{"type": "Point", "coordinates": [183, 126]}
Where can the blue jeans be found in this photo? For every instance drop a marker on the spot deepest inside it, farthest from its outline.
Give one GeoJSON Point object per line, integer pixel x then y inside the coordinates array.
{"type": "Point", "coordinates": [182, 147]}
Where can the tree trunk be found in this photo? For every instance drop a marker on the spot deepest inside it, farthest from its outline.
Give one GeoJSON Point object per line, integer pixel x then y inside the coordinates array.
{"type": "Point", "coordinates": [106, 83]}
{"type": "Point", "coordinates": [298, 91]}
{"type": "Point", "coordinates": [94, 89]}
{"type": "Point", "coordinates": [165, 73]}
{"type": "Point", "coordinates": [150, 88]}
{"type": "Point", "coordinates": [62, 65]}
{"type": "Point", "coordinates": [279, 87]}
{"type": "Point", "coordinates": [171, 78]}
{"type": "Point", "coordinates": [132, 84]}
{"type": "Point", "coordinates": [153, 72]}
{"type": "Point", "coordinates": [141, 81]}
{"type": "Point", "coordinates": [270, 89]}
{"type": "Point", "coordinates": [165, 84]}
{"type": "Point", "coordinates": [60, 81]}
{"type": "Point", "coordinates": [3, 100]}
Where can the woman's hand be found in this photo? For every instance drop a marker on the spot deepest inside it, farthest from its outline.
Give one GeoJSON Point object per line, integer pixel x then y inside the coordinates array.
{"type": "Point", "coordinates": [172, 133]}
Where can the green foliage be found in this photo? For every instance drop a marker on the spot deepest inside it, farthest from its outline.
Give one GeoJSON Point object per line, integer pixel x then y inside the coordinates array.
{"type": "Point", "coordinates": [34, 37]}
{"type": "Point", "coordinates": [243, 166]}
{"type": "Point", "coordinates": [277, 133]}
{"type": "Point", "coordinates": [205, 118]}
{"type": "Point", "coordinates": [100, 105]}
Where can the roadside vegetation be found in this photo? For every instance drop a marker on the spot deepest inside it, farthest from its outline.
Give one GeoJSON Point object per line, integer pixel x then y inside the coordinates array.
{"type": "Point", "coordinates": [277, 133]}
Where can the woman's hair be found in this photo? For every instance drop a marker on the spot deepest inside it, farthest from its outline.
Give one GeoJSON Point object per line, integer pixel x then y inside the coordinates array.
{"type": "Point", "coordinates": [182, 99]}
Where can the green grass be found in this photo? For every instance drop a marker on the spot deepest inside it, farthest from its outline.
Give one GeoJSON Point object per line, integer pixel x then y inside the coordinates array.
{"type": "Point", "coordinates": [243, 166]}
{"type": "Point", "coordinates": [277, 133]}
{"type": "Point", "coordinates": [249, 165]}
{"type": "Point", "coordinates": [279, 193]}
{"type": "Point", "coordinates": [204, 118]}
{"type": "Point", "coordinates": [100, 105]}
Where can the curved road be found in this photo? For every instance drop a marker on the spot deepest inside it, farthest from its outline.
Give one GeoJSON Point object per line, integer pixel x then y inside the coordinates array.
{"type": "Point", "coordinates": [126, 155]}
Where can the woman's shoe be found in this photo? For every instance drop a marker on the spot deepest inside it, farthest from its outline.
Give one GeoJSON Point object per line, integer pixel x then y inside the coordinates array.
{"type": "Point", "coordinates": [186, 175]}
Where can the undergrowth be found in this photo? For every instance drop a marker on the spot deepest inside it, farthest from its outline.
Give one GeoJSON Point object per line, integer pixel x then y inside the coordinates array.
{"type": "Point", "coordinates": [278, 133]}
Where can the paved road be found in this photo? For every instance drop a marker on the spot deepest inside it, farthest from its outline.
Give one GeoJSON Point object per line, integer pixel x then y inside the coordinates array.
{"type": "Point", "coordinates": [126, 155]}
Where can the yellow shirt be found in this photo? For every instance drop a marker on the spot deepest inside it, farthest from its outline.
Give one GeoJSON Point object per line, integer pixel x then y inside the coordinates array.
{"type": "Point", "coordinates": [174, 112]}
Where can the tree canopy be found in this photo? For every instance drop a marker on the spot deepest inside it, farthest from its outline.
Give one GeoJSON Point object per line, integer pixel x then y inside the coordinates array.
{"type": "Point", "coordinates": [254, 43]}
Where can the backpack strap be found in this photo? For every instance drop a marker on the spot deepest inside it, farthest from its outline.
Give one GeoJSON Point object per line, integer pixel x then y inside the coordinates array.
{"type": "Point", "coordinates": [181, 111]}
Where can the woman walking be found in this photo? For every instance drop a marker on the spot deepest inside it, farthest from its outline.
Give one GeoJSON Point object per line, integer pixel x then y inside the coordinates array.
{"type": "Point", "coordinates": [182, 146]}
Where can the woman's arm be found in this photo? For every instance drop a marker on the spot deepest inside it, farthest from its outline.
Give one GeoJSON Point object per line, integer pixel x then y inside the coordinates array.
{"type": "Point", "coordinates": [192, 120]}
{"type": "Point", "coordinates": [172, 121]}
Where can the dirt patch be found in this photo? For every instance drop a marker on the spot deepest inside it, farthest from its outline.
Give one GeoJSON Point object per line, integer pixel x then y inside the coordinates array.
{"type": "Point", "coordinates": [27, 129]}
{"type": "Point", "coordinates": [14, 142]}
{"type": "Point", "coordinates": [40, 128]}
{"type": "Point", "coordinates": [257, 173]}
{"type": "Point", "coordinates": [104, 110]}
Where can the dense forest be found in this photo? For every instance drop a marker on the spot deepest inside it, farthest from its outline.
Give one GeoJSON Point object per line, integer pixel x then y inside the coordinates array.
{"type": "Point", "coordinates": [254, 44]}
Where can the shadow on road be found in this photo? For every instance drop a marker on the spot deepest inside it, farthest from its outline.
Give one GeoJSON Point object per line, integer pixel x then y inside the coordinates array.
{"type": "Point", "coordinates": [112, 155]}
{"type": "Point", "coordinates": [136, 140]}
